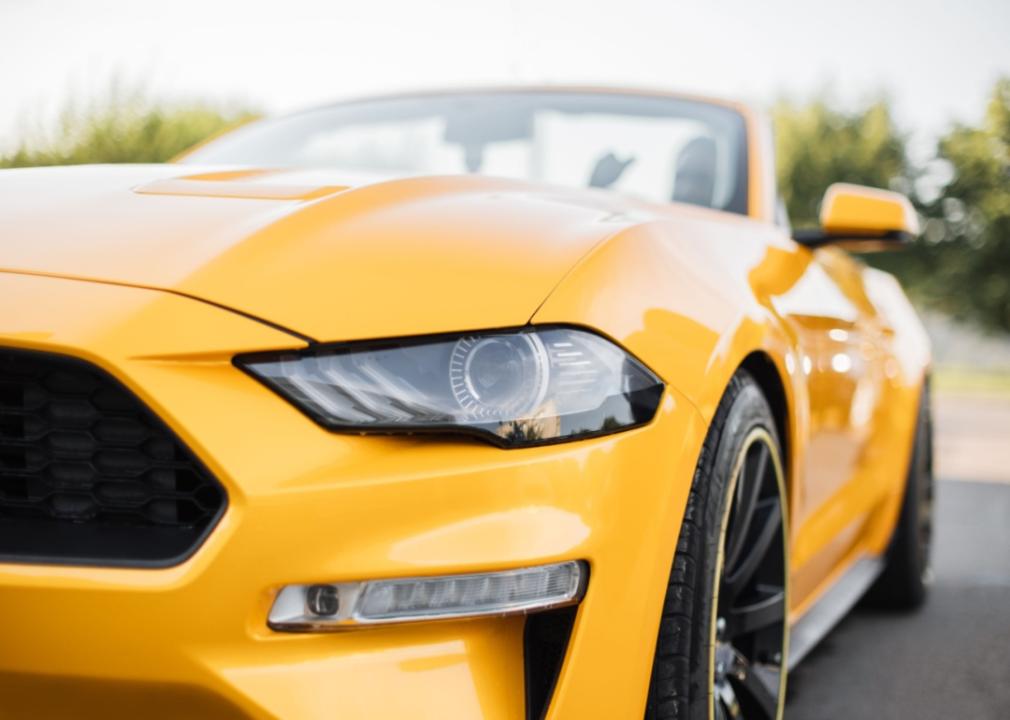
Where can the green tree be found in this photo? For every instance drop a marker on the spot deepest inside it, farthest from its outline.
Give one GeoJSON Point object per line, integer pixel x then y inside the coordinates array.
{"type": "Point", "coordinates": [123, 128]}
{"type": "Point", "coordinates": [961, 264]}
{"type": "Point", "coordinates": [818, 145]}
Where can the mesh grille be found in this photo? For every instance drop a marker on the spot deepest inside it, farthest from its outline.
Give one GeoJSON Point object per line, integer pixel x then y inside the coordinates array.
{"type": "Point", "coordinates": [88, 474]}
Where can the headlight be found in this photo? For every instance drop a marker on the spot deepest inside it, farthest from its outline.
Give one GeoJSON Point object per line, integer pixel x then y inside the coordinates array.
{"type": "Point", "coordinates": [514, 388]}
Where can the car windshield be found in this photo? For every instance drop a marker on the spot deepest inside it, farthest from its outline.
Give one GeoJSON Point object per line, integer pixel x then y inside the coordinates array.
{"type": "Point", "coordinates": [654, 147]}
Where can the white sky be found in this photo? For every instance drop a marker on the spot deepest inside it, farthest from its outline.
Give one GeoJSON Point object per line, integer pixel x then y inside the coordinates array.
{"type": "Point", "coordinates": [936, 60]}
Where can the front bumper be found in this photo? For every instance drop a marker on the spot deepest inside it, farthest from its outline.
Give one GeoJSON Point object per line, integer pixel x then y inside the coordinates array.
{"type": "Point", "coordinates": [308, 506]}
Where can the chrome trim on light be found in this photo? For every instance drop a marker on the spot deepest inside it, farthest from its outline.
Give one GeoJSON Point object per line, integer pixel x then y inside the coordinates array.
{"type": "Point", "coordinates": [291, 612]}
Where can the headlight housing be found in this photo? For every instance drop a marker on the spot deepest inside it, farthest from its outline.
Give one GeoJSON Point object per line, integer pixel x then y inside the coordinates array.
{"type": "Point", "coordinates": [513, 388]}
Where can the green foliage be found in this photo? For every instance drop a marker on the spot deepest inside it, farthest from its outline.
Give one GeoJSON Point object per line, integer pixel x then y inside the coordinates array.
{"type": "Point", "coordinates": [818, 145]}
{"type": "Point", "coordinates": [961, 264]}
{"type": "Point", "coordinates": [124, 128]}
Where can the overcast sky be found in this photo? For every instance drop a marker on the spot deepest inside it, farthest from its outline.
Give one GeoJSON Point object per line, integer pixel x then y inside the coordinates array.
{"type": "Point", "coordinates": [935, 60]}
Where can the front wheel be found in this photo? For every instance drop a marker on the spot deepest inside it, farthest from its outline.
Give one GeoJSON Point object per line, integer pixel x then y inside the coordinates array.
{"type": "Point", "coordinates": [723, 639]}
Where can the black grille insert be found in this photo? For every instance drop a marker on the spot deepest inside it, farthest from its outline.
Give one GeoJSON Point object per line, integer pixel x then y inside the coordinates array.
{"type": "Point", "coordinates": [89, 475]}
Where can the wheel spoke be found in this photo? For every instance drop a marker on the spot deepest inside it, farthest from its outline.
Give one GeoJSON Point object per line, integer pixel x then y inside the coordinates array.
{"type": "Point", "coordinates": [720, 711]}
{"type": "Point", "coordinates": [751, 690]}
{"type": "Point", "coordinates": [748, 491]}
{"type": "Point", "coordinates": [755, 616]}
{"type": "Point", "coordinates": [726, 702]}
{"type": "Point", "coordinates": [759, 544]}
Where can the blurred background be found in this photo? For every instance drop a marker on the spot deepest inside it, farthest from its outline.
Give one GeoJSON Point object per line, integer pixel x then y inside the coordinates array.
{"type": "Point", "coordinates": [913, 95]}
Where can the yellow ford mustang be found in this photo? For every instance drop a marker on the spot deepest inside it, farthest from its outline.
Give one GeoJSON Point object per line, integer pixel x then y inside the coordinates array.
{"type": "Point", "coordinates": [493, 404]}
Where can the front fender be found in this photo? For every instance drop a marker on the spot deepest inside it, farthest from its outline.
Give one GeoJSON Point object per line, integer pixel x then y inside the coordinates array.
{"type": "Point", "coordinates": [687, 299]}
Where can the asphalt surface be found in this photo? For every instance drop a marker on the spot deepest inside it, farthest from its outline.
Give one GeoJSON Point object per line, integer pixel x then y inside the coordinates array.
{"type": "Point", "coordinates": [951, 659]}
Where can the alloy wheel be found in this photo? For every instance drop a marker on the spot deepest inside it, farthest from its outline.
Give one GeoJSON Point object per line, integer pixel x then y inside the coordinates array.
{"type": "Point", "coordinates": [750, 628]}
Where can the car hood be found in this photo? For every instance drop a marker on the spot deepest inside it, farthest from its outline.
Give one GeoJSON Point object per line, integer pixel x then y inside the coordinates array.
{"type": "Point", "coordinates": [327, 259]}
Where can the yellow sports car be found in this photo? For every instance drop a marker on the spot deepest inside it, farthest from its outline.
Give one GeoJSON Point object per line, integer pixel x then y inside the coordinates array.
{"type": "Point", "coordinates": [491, 404]}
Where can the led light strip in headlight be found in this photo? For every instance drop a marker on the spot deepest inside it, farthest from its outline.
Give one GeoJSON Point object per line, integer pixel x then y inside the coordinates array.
{"type": "Point", "coordinates": [322, 607]}
{"type": "Point", "coordinates": [514, 388]}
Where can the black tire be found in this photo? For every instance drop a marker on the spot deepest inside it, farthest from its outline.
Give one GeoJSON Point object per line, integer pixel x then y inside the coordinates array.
{"type": "Point", "coordinates": [904, 582]}
{"type": "Point", "coordinates": [690, 674]}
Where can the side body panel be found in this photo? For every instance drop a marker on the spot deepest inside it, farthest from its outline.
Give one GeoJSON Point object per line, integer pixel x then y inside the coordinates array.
{"type": "Point", "coordinates": [861, 407]}
{"type": "Point", "coordinates": [695, 300]}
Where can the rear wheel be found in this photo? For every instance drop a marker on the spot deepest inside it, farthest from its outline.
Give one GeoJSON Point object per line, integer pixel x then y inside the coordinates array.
{"type": "Point", "coordinates": [905, 580]}
{"type": "Point", "coordinates": [723, 637]}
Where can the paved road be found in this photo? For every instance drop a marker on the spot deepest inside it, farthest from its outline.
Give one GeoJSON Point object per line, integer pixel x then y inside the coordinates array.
{"type": "Point", "coordinates": [949, 660]}
{"type": "Point", "coordinates": [972, 436]}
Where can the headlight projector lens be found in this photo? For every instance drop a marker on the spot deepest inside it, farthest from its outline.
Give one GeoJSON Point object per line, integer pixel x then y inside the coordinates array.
{"type": "Point", "coordinates": [499, 377]}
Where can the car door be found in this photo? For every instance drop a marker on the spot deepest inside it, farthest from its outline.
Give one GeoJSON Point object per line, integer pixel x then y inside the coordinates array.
{"type": "Point", "coordinates": [838, 359]}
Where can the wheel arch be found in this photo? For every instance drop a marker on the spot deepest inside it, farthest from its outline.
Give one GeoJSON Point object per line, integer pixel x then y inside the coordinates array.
{"type": "Point", "coordinates": [762, 368]}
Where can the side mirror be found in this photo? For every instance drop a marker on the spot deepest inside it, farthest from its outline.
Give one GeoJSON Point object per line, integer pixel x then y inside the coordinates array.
{"type": "Point", "coordinates": [866, 219]}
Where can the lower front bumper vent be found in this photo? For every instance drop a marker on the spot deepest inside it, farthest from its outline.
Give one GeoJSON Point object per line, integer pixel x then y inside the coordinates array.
{"type": "Point", "coordinates": [89, 475]}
